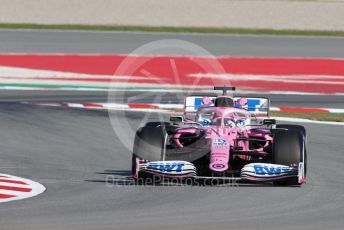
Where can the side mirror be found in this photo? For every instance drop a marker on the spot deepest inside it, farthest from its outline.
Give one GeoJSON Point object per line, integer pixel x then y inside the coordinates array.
{"type": "Point", "coordinates": [177, 119]}
{"type": "Point", "coordinates": [269, 121]}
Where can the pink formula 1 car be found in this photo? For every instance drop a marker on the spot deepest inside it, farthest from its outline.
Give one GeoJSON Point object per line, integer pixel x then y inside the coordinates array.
{"type": "Point", "coordinates": [222, 137]}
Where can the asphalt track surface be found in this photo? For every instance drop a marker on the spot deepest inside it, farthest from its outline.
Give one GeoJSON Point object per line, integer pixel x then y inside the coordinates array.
{"type": "Point", "coordinates": [73, 151]}
{"type": "Point", "coordinates": [28, 41]}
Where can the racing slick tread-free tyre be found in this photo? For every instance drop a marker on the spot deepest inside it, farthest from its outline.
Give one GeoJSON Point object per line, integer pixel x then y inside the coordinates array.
{"type": "Point", "coordinates": [299, 128]}
{"type": "Point", "coordinates": [302, 130]}
{"type": "Point", "coordinates": [157, 123]}
{"type": "Point", "coordinates": [149, 143]}
{"type": "Point", "coordinates": [287, 149]}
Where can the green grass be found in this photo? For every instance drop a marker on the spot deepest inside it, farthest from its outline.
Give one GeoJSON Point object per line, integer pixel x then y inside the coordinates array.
{"type": "Point", "coordinates": [338, 117]}
{"type": "Point", "coordinates": [170, 29]}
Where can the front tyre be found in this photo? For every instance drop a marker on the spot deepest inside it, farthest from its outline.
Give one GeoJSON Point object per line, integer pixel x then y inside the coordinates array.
{"type": "Point", "coordinates": [149, 143]}
{"type": "Point", "coordinates": [288, 148]}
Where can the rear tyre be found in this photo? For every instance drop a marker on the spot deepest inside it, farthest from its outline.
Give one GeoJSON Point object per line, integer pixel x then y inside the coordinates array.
{"type": "Point", "coordinates": [288, 149]}
{"type": "Point", "coordinates": [157, 124]}
{"type": "Point", "coordinates": [299, 128]}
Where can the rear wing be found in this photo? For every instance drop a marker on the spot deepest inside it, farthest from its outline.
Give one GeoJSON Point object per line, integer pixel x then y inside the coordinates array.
{"type": "Point", "coordinates": [258, 106]}
{"type": "Point", "coordinates": [192, 103]}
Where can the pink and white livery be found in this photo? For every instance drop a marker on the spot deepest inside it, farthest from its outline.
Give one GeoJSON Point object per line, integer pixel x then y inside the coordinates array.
{"type": "Point", "coordinates": [222, 137]}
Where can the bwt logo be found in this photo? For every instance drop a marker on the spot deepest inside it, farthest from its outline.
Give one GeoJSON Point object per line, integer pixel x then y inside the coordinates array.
{"type": "Point", "coordinates": [166, 167]}
{"type": "Point", "coordinates": [270, 170]}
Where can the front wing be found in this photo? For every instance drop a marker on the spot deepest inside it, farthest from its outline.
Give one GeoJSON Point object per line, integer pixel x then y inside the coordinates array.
{"type": "Point", "coordinates": [261, 172]}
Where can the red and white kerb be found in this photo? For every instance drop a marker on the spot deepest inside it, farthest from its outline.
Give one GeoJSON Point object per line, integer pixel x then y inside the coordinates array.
{"type": "Point", "coordinates": [17, 188]}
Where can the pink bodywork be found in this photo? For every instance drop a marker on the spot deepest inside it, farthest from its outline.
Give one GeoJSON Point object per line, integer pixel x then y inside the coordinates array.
{"type": "Point", "coordinates": [223, 137]}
